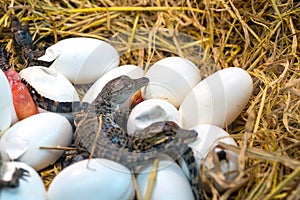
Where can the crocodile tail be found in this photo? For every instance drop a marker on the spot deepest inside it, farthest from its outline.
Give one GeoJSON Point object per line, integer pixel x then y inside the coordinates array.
{"type": "Point", "coordinates": [189, 159]}
{"type": "Point", "coordinates": [55, 106]}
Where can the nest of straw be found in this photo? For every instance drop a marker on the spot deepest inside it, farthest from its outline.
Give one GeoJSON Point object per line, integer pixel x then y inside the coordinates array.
{"type": "Point", "coordinates": [261, 37]}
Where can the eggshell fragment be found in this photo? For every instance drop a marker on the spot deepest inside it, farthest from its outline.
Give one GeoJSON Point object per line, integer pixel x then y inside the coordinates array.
{"type": "Point", "coordinates": [30, 187]}
{"type": "Point", "coordinates": [50, 83]}
{"type": "Point", "coordinates": [82, 60]}
{"type": "Point", "coordinates": [6, 104]}
{"type": "Point", "coordinates": [130, 70]}
{"type": "Point", "coordinates": [93, 180]}
{"type": "Point", "coordinates": [150, 111]}
{"type": "Point", "coordinates": [170, 182]}
{"type": "Point", "coordinates": [23, 140]}
{"type": "Point", "coordinates": [171, 79]}
{"type": "Point", "coordinates": [218, 99]}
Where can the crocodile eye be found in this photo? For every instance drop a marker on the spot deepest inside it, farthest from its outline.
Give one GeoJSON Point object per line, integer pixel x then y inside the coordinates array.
{"type": "Point", "coordinates": [129, 85]}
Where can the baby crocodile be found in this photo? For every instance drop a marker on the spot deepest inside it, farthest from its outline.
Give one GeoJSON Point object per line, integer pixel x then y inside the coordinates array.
{"type": "Point", "coordinates": [23, 45]}
{"type": "Point", "coordinates": [112, 142]}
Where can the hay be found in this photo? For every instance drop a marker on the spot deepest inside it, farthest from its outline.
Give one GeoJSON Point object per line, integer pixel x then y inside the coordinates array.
{"type": "Point", "coordinates": [261, 37]}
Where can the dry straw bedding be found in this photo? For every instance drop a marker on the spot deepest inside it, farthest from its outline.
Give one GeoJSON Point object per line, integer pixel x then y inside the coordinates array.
{"type": "Point", "coordinates": [261, 37]}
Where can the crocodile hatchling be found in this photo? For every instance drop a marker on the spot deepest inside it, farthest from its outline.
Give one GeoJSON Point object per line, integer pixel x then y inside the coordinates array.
{"type": "Point", "coordinates": [113, 142]}
{"type": "Point", "coordinates": [23, 45]}
{"type": "Point", "coordinates": [18, 174]}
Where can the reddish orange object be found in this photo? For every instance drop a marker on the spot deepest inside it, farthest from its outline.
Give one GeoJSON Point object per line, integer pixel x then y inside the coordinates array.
{"type": "Point", "coordinates": [22, 100]}
{"type": "Point", "coordinates": [137, 99]}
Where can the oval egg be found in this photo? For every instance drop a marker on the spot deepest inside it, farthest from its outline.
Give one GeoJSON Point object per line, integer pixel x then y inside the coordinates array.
{"type": "Point", "coordinates": [92, 179]}
{"type": "Point", "coordinates": [170, 182]}
{"type": "Point", "coordinates": [50, 83]}
{"type": "Point", "coordinates": [82, 60]}
{"type": "Point", "coordinates": [171, 79]}
{"type": "Point", "coordinates": [30, 187]}
{"type": "Point", "coordinates": [23, 140]}
{"type": "Point", "coordinates": [6, 104]}
{"type": "Point", "coordinates": [150, 111]}
{"type": "Point", "coordinates": [130, 70]}
{"type": "Point", "coordinates": [218, 99]}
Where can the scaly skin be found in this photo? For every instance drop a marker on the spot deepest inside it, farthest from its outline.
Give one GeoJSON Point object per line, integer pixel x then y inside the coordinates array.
{"type": "Point", "coordinates": [23, 45]}
{"type": "Point", "coordinates": [114, 143]}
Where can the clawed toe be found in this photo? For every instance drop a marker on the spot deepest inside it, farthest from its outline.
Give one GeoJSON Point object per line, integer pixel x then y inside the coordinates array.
{"type": "Point", "coordinates": [21, 173]}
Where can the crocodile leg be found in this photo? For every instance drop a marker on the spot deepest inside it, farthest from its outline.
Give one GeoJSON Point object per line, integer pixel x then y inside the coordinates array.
{"type": "Point", "coordinates": [18, 174]}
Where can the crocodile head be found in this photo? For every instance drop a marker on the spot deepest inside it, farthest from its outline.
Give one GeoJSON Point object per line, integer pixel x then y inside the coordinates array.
{"type": "Point", "coordinates": [118, 90]}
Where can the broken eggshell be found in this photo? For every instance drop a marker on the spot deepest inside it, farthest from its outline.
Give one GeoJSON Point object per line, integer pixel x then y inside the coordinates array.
{"type": "Point", "coordinates": [170, 182]}
{"type": "Point", "coordinates": [218, 99]}
{"type": "Point", "coordinates": [150, 111]}
{"type": "Point", "coordinates": [171, 79]}
{"type": "Point", "coordinates": [129, 70]}
{"type": "Point", "coordinates": [23, 140]}
{"type": "Point", "coordinates": [30, 187]}
{"type": "Point", "coordinates": [103, 179]}
{"type": "Point", "coordinates": [50, 83]}
{"type": "Point", "coordinates": [82, 60]}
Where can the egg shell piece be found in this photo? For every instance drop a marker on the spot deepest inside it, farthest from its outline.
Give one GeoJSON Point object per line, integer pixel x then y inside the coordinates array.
{"type": "Point", "coordinates": [150, 111]}
{"type": "Point", "coordinates": [170, 182]}
{"type": "Point", "coordinates": [6, 104]}
{"type": "Point", "coordinates": [30, 188]}
{"type": "Point", "coordinates": [82, 60]}
{"type": "Point", "coordinates": [130, 70]}
{"type": "Point", "coordinates": [23, 139]}
{"type": "Point", "coordinates": [218, 99]}
{"type": "Point", "coordinates": [171, 79]}
{"type": "Point", "coordinates": [93, 180]}
{"type": "Point", "coordinates": [50, 83]}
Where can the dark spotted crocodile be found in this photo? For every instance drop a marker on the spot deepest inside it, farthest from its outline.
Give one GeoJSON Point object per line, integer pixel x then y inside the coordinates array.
{"type": "Point", "coordinates": [112, 142]}
{"type": "Point", "coordinates": [23, 45]}
{"type": "Point", "coordinates": [14, 182]}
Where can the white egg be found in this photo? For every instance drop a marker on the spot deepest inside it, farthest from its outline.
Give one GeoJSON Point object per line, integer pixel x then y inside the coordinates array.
{"type": "Point", "coordinates": [6, 104]}
{"type": "Point", "coordinates": [93, 180]}
{"type": "Point", "coordinates": [30, 187]}
{"type": "Point", "coordinates": [170, 182]}
{"type": "Point", "coordinates": [50, 83]}
{"type": "Point", "coordinates": [130, 70]}
{"type": "Point", "coordinates": [171, 79]}
{"type": "Point", "coordinates": [208, 137]}
{"type": "Point", "coordinates": [23, 140]}
{"type": "Point", "coordinates": [150, 111]}
{"type": "Point", "coordinates": [82, 60]}
{"type": "Point", "coordinates": [218, 99]}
